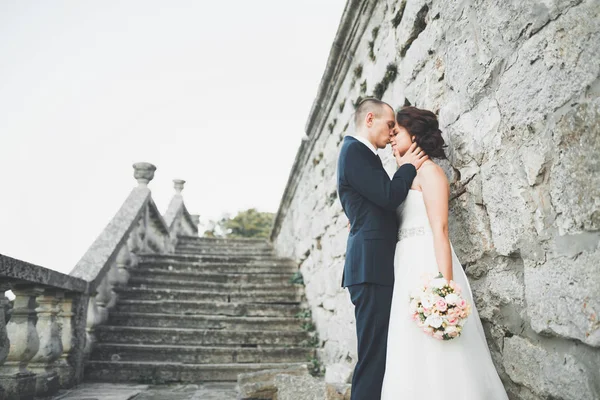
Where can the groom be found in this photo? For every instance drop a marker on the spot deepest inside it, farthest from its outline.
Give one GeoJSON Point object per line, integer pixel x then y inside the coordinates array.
{"type": "Point", "coordinates": [369, 199]}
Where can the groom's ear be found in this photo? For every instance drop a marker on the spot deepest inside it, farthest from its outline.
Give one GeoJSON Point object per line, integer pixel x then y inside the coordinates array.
{"type": "Point", "coordinates": [369, 119]}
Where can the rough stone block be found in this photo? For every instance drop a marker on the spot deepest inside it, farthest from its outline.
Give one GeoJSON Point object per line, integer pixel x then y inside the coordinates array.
{"type": "Point", "coordinates": [305, 387]}
{"type": "Point", "coordinates": [339, 391]}
{"type": "Point", "coordinates": [563, 55]}
{"type": "Point", "coordinates": [575, 178]}
{"type": "Point", "coordinates": [339, 372]}
{"type": "Point", "coordinates": [261, 385]}
{"type": "Point", "coordinates": [562, 297]}
{"type": "Point", "coordinates": [547, 372]}
{"type": "Point", "coordinates": [502, 189]}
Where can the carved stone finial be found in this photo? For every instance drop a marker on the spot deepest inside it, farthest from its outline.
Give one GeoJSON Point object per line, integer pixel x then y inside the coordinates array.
{"type": "Point", "coordinates": [178, 185]}
{"type": "Point", "coordinates": [143, 172]}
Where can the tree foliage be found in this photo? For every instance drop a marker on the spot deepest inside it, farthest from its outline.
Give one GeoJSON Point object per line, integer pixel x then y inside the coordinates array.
{"type": "Point", "coordinates": [246, 224]}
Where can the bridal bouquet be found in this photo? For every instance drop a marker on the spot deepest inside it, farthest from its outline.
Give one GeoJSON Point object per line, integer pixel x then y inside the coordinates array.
{"type": "Point", "coordinates": [438, 308]}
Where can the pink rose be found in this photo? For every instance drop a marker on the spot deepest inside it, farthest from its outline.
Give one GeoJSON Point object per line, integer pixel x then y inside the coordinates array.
{"type": "Point", "coordinates": [438, 335]}
{"type": "Point", "coordinates": [415, 315]}
{"type": "Point", "coordinates": [453, 312]}
{"type": "Point", "coordinates": [428, 330]}
{"type": "Point", "coordinates": [452, 321]}
{"type": "Point", "coordinates": [455, 287]}
{"type": "Point", "coordinates": [441, 305]}
{"type": "Point", "coordinates": [462, 303]}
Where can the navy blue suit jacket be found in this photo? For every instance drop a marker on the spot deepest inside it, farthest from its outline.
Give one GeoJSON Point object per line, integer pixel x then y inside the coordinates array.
{"type": "Point", "coordinates": [370, 198]}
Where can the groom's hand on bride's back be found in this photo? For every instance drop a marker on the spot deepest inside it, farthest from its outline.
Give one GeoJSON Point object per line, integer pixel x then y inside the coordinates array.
{"type": "Point", "coordinates": [414, 156]}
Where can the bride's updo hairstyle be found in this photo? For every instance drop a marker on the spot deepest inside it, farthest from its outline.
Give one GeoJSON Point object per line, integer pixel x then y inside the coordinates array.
{"type": "Point", "coordinates": [424, 127]}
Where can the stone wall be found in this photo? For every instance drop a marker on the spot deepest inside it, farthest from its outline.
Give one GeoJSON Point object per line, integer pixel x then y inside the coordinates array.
{"type": "Point", "coordinates": [516, 87]}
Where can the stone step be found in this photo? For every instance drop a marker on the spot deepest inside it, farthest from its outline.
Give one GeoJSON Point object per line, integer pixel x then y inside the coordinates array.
{"type": "Point", "coordinates": [221, 241]}
{"type": "Point", "coordinates": [225, 249]}
{"type": "Point", "coordinates": [198, 276]}
{"type": "Point", "coordinates": [174, 283]}
{"type": "Point", "coordinates": [204, 321]}
{"type": "Point", "coordinates": [204, 337]}
{"type": "Point", "coordinates": [199, 354]}
{"type": "Point", "coordinates": [225, 253]}
{"type": "Point", "coordinates": [208, 308]}
{"type": "Point", "coordinates": [216, 259]}
{"type": "Point", "coordinates": [267, 296]}
{"type": "Point", "coordinates": [117, 372]}
{"type": "Point", "coordinates": [222, 268]}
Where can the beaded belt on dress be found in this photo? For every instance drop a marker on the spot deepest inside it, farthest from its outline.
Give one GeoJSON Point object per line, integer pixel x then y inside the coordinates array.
{"type": "Point", "coordinates": [410, 232]}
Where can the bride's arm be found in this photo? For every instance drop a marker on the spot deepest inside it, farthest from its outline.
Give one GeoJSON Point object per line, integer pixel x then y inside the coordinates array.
{"type": "Point", "coordinates": [436, 194]}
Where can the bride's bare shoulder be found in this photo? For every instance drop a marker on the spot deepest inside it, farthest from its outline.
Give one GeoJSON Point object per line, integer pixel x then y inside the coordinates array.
{"type": "Point", "coordinates": [430, 174]}
{"type": "Point", "coordinates": [430, 169]}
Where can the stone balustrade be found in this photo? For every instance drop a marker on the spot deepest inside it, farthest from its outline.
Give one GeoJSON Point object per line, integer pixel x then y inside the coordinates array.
{"type": "Point", "coordinates": [47, 331]}
{"type": "Point", "coordinates": [41, 338]}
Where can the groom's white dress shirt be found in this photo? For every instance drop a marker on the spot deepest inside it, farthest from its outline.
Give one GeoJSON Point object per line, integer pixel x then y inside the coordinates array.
{"type": "Point", "coordinates": [366, 143]}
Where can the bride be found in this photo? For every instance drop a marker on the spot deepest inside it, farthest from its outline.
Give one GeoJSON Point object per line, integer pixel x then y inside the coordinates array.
{"type": "Point", "coordinates": [419, 366]}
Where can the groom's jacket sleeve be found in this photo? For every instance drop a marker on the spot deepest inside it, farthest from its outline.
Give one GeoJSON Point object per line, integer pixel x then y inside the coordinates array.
{"type": "Point", "coordinates": [369, 179]}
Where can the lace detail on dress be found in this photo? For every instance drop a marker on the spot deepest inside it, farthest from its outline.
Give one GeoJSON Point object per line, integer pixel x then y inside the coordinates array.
{"type": "Point", "coordinates": [410, 232]}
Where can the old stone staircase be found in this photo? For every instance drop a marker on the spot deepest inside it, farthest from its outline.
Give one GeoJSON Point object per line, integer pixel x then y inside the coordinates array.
{"type": "Point", "coordinates": [210, 311]}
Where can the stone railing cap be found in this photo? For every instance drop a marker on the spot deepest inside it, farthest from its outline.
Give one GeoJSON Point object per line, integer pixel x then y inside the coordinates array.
{"type": "Point", "coordinates": [18, 271]}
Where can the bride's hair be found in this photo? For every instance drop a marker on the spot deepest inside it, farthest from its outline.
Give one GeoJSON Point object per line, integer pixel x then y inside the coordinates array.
{"type": "Point", "coordinates": [424, 126]}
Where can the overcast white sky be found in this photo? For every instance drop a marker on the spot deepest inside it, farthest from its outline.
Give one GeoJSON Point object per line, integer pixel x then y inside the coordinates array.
{"type": "Point", "coordinates": [213, 92]}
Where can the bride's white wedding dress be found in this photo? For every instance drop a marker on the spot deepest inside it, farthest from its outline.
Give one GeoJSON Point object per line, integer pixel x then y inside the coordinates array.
{"type": "Point", "coordinates": [419, 366]}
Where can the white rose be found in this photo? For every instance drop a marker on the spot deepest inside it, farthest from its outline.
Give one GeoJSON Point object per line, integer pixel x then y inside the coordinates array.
{"type": "Point", "coordinates": [452, 298]}
{"type": "Point", "coordinates": [427, 301]}
{"type": "Point", "coordinates": [435, 321]}
{"type": "Point", "coordinates": [413, 306]}
{"type": "Point", "coordinates": [451, 329]}
{"type": "Point", "coordinates": [438, 283]}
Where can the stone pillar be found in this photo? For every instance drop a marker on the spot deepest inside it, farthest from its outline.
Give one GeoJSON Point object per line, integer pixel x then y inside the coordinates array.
{"type": "Point", "coordinates": [50, 342]}
{"type": "Point", "coordinates": [4, 340]}
{"type": "Point", "coordinates": [104, 299]}
{"type": "Point", "coordinates": [122, 264]}
{"type": "Point", "coordinates": [143, 172]}
{"type": "Point", "coordinates": [65, 318]}
{"type": "Point", "coordinates": [93, 319]}
{"type": "Point", "coordinates": [15, 377]}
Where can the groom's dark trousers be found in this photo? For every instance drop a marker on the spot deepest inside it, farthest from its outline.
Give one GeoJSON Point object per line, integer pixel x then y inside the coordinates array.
{"type": "Point", "coordinates": [370, 198]}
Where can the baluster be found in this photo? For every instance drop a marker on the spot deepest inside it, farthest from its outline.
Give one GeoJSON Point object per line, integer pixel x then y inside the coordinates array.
{"type": "Point", "coordinates": [15, 377]}
{"type": "Point", "coordinates": [133, 250]}
{"type": "Point", "coordinates": [65, 317]}
{"type": "Point", "coordinates": [104, 298]}
{"type": "Point", "coordinates": [112, 280]}
{"type": "Point", "coordinates": [93, 319]}
{"type": "Point", "coordinates": [122, 264]}
{"type": "Point", "coordinates": [4, 341]}
{"type": "Point", "coordinates": [50, 344]}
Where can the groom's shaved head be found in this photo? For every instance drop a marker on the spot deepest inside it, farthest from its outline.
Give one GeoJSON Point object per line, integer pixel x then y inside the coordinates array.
{"type": "Point", "coordinates": [374, 106]}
